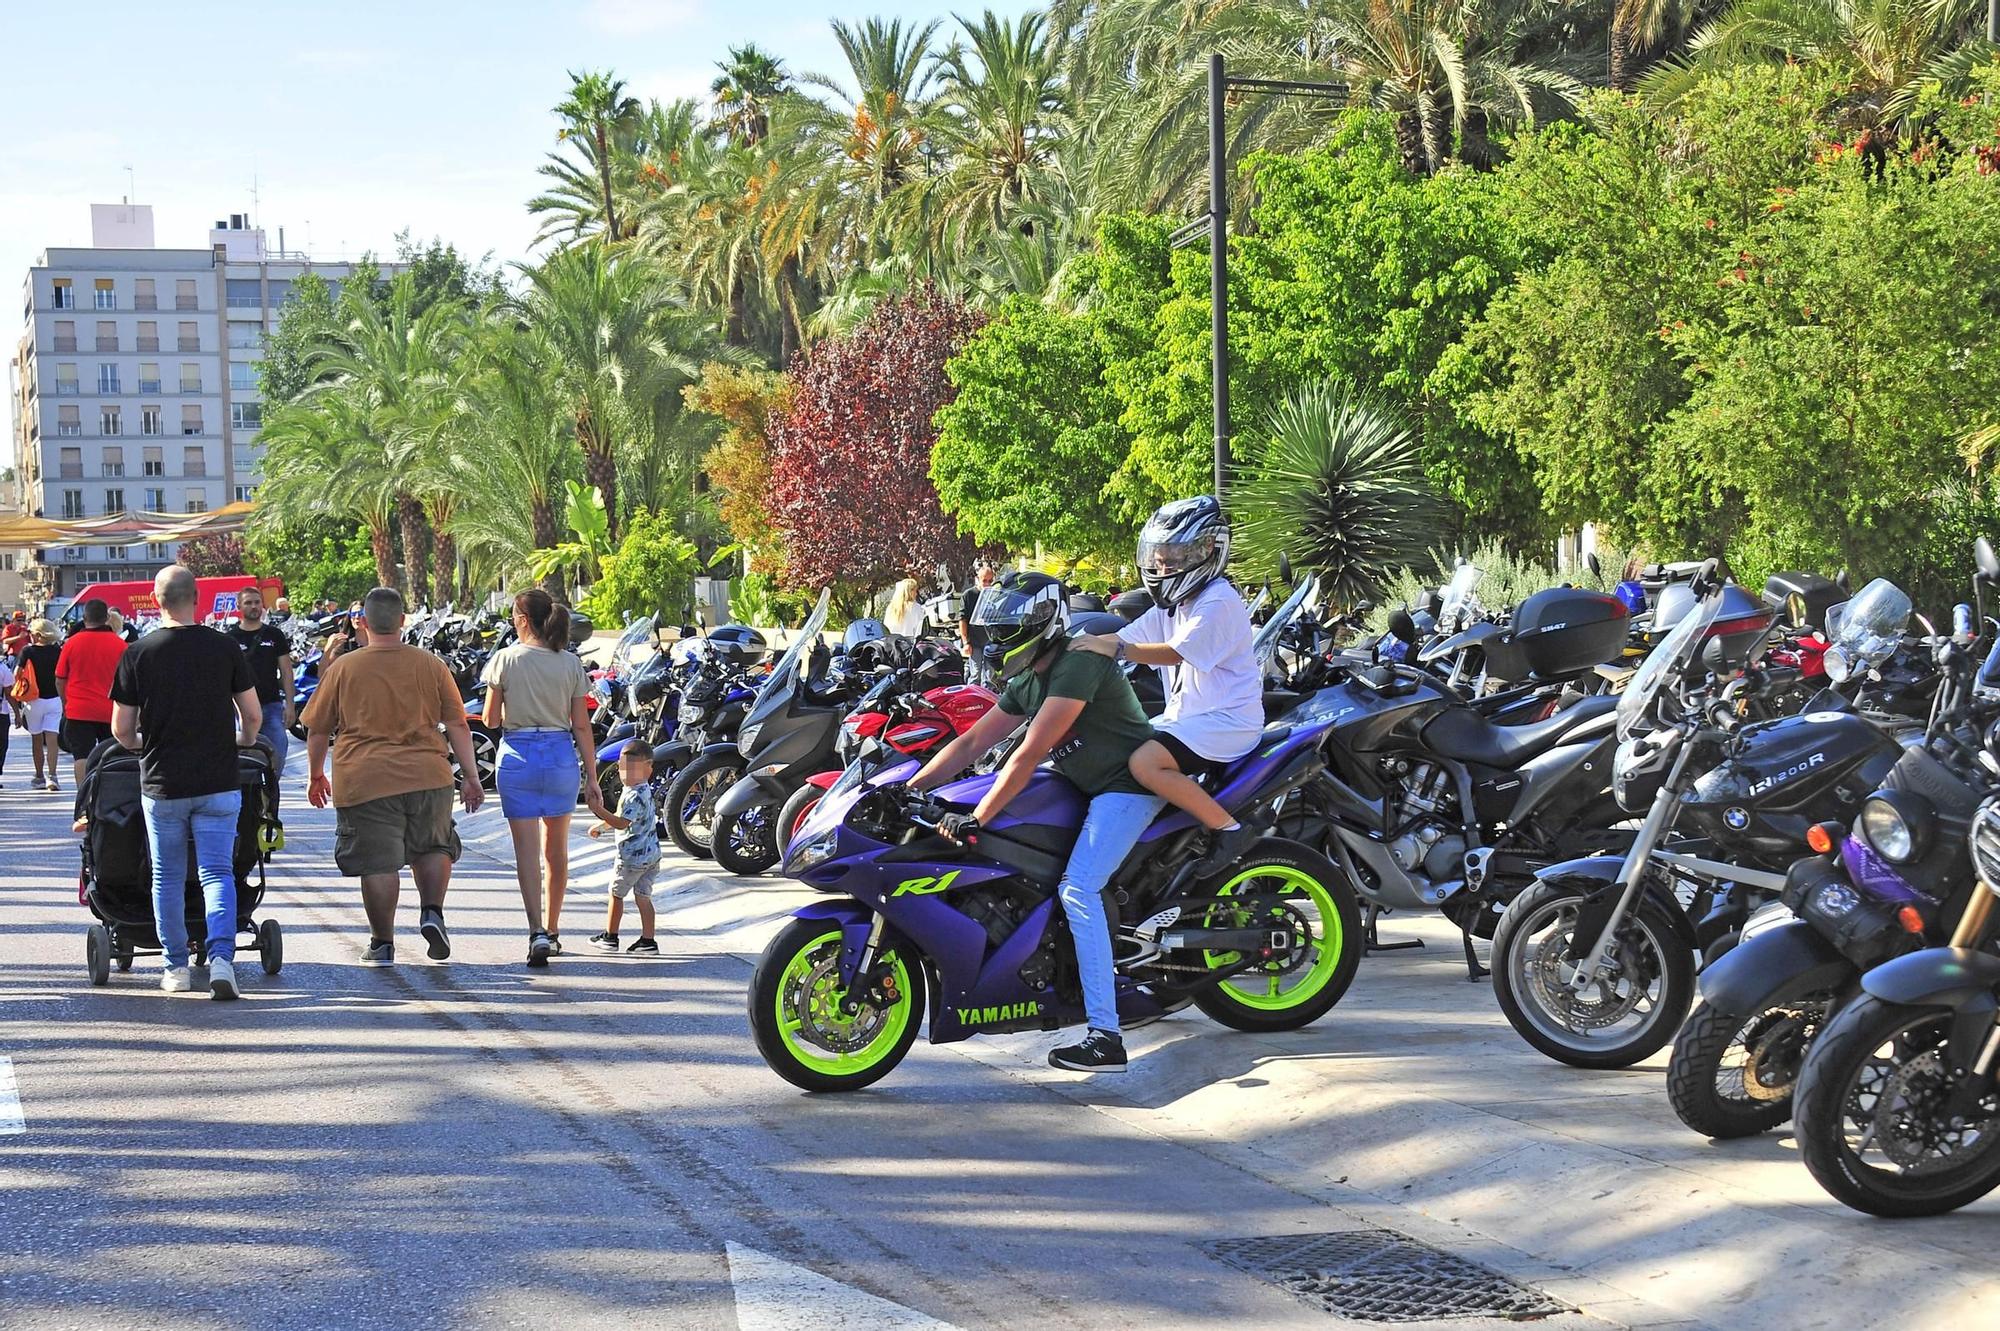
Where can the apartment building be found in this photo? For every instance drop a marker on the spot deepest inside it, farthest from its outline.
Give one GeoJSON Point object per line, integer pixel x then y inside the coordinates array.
{"type": "Point", "coordinates": [135, 382]}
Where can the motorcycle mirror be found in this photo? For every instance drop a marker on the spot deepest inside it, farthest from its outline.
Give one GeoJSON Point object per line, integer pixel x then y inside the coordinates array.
{"type": "Point", "coordinates": [1988, 562]}
{"type": "Point", "coordinates": [1595, 564]}
{"type": "Point", "coordinates": [1364, 606]}
{"type": "Point", "coordinates": [1705, 578]}
{"type": "Point", "coordinates": [1285, 567]}
{"type": "Point", "coordinates": [1434, 603]}
{"type": "Point", "coordinates": [1402, 626]}
{"type": "Point", "coordinates": [1840, 580]}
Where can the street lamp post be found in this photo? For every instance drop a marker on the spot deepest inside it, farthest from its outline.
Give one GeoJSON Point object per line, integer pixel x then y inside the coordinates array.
{"type": "Point", "coordinates": [1220, 82]}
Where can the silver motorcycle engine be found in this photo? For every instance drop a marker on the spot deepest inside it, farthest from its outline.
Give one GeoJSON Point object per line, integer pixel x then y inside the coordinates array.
{"type": "Point", "coordinates": [1432, 847]}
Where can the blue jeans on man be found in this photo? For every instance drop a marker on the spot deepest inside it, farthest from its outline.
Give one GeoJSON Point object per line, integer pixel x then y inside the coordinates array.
{"type": "Point", "coordinates": [211, 820]}
{"type": "Point", "coordinates": [273, 732]}
{"type": "Point", "coordinates": [1111, 827]}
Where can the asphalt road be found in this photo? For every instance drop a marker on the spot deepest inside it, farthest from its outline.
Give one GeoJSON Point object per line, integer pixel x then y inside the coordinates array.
{"type": "Point", "coordinates": [470, 1144]}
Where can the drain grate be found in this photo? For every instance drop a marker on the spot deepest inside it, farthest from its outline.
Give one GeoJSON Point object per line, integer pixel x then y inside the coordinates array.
{"type": "Point", "coordinates": [1378, 1275]}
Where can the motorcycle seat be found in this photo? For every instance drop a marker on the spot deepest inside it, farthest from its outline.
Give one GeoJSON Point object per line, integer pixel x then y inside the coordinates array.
{"type": "Point", "coordinates": [1465, 735]}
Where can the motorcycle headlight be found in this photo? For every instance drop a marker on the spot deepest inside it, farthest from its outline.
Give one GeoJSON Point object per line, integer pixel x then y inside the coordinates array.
{"type": "Point", "coordinates": [813, 852]}
{"type": "Point", "coordinates": [746, 738]}
{"type": "Point", "coordinates": [1893, 828]}
{"type": "Point", "coordinates": [690, 714]}
{"type": "Point", "coordinates": [1838, 666]}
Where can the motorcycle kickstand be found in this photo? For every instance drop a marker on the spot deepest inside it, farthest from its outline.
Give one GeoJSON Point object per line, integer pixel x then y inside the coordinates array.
{"type": "Point", "coordinates": [1474, 972]}
{"type": "Point", "coordinates": [1372, 940]}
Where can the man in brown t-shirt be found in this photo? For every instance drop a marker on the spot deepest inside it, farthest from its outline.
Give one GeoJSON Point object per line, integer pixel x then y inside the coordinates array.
{"type": "Point", "coordinates": [380, 706]}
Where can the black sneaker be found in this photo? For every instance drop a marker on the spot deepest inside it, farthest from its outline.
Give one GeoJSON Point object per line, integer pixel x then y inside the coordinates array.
{"type": "Point", "coordinates": [538, 949]}
{"type": "Point", "coordinates": [1099, 1051]}
{"type": "Point", "coordinates": [645, 947]}
{"type": "Point", "coordinates": [604, 942]}
{"type": "Point", "coordinates": [555, 945]}
{"type": "Point", "coordinates": [1225, 848]}
{"type": "Point", "coordinates": [379, 952]}
{"type": "Point", "coordinates": [434, 933]}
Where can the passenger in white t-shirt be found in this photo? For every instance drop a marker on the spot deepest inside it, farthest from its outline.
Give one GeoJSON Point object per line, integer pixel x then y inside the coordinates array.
{"type": "Point", "coordinates": [1199, 632]}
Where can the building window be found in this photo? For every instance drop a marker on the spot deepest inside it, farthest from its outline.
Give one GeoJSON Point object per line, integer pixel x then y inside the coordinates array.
{"type": "Point", "coordinates": [246, 415]}
{"type": "Point", "coordinates": [244, 293]}
{"type": "Point", "coordinates": [72, 505]}
{"type": "Point", "coordinates": [107, 335]}
{"type": "Point", "coordinates": [149, 423]}
{"type": "Point", "coordinates": [69, 420]}
{"type": "Point", "coordinates": [246, 337]}
{"type": "Point", "coordinates": [69, 463]}
{"type": "Point", "coordinates": [149, 376]}
{"type": "Point", "coordinates": [66, 379]}
{"type": "Point", "coordinates": [142, 294]}
{"type": "Point", "coordinates": [107, 378]}
{"type": "Point", "coordinates": [7, 562]}
{"type": "Point", "coordinates": [194, 461]}
{"type": "Point", "coordinates": [63, 297]}
{"type": "Point", "coordinates": [156, 550]}
{"type": "Point", "coordinates": [113, 463]}
{"type": "Point", "coordinates": [149, 335]}
{"type": "Point", "coordinates": [245, 493]}
{"type": "Point", "coordinates": [153, 464]}
{"type": "Point", "coordinates": [191, 421]}
{"type": "Point", "coordinates": [108, 421]}
{"type": "Point", "coordinates": [114, 502]}
{"type": "Point", "coordinates": [197, 501]}
{"type": "Point", "coordinates": [184, 294]}
{"type": "Point", "coordinates": [65, 335]}
{"type": "Point", "coordinates": [156, 501]}
{"type": "Point", "coordinates": [190, 377]}
{"type": "Point", "coordinates": [189, 338]}
{"type": "Point", "coordinates": [116, 551]}
{"type": "Point", "coordinates": [243, 375]}
{"type": "Point", "coordinates": [107, 297]}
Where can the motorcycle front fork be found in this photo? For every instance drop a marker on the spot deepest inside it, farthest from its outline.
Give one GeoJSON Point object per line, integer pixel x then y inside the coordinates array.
{"type": "Point", "coordinates": [1632, 875]}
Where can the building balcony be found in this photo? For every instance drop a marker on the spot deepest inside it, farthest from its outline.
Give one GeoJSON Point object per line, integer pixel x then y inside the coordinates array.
{"type": "Point", "coordinates": [149, 385]}
{"type": "Point", "coordinates": [107, 344]}
{"type": "Point", "coordinates": [145, 302]}
{"type": "Point", "coordinates": [185, 303]}
{"type": "Point", "coordinates": [65, 344]}
{"type": "Point", "coordinates": [69, 431]}
{"type": "Point", "coordinates": [70, 471]}
{"type": "Point", "coordinates": [68, 389]}
{"type": "Point", "coordinates": [246, 302]}
{"type": "Point", "coordinates": [60, 302]}
{"type": "Point", "coordinates": [187, 344]}
{"type": "Point", "coordinates": [190, 390]}
{"type": "Point", "coordinates": [149, 344]}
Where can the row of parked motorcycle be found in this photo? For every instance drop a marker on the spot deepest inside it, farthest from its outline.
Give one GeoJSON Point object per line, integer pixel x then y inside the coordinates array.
{"type": "Point", "coordinates": [1762, 826]}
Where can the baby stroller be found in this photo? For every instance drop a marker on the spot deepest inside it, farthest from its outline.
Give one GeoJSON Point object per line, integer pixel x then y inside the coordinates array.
{"type": "Point", "coordinates": [117, 878]}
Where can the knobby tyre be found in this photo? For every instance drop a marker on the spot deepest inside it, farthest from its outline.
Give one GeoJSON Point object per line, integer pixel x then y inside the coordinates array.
{"type": "Point", "coordinates": [1612, 1023]}
{"type": "Point", "coordinates": [1873, 1119]}
{"type": "Point", "coordinates": [797, 1020]}
{"type": "Point", "coordinates": [1733, 1075]}
{"type": "Point", "coordinates": [1299, 989]}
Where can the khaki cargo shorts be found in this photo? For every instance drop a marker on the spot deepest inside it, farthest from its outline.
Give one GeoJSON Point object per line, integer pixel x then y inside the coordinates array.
{"type": "Point", "coordinates": [383, 835]}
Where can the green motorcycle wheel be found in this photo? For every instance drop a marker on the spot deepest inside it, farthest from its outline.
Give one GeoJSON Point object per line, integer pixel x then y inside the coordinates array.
{"type": "Point", "coordinates": [1298, 989]}
{"type": "Point", "coordinates": [796, 1018]}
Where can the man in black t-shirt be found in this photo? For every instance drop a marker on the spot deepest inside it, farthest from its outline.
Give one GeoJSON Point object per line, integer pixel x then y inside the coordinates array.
{"type": "Point", "coordinates": [183, 698]}
{"type": "Point", "coordinates": [269, 649]}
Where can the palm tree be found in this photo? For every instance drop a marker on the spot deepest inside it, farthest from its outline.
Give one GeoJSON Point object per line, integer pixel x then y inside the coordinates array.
{"type": "Point", "coordinates": [749, 82]}
{"type": "Point", "coordinates": [322, 457]}
{"type": "Point", "coordinates": [621, 336]}
{"type": "Point", "coordinates": [596, 116]}
{"type": "Point", "coordinates": [519, 450]}
{"type": "Point", "coordinates": [1883, 52]}
{"type": "Point", "coordinates": [1339, 488]}
{"type": "Point", "coordinates": [1637, 27]}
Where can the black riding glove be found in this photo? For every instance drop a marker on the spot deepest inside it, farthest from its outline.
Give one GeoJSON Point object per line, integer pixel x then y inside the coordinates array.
{"type": "Point", "coordinates": [958, 827]}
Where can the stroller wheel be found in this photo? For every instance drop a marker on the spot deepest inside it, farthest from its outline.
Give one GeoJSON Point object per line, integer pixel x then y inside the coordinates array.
{"type": "Point", "coordinates": [270, 946]}
{"type": "Point", "coordinates": [97, 954]}
{"type": "Point", "coordinates": [124, 960]}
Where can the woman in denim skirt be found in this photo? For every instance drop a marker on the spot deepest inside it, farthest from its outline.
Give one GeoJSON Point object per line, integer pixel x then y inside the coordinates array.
{"type": "Point", "coordinates": [534, 697]}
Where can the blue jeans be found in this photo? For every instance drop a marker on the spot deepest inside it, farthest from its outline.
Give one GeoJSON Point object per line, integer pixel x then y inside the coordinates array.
{"type": "Point", "coordinates": [212, 819]}
{"type": "Point", "coordinates": [274, 733]}
{"type": "Point", "coordinates": [1111, 827]}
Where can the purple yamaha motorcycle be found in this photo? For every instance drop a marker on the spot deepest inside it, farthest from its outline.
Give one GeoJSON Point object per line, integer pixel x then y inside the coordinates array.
{"type": "Point", "coordinates": [974, 934]}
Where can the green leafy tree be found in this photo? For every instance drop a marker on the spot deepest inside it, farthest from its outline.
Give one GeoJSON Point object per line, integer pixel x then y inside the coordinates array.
{"type": "Point", "coordinates": [1027, 448]}
{"type": "Point", "coordinates": [651, 572]}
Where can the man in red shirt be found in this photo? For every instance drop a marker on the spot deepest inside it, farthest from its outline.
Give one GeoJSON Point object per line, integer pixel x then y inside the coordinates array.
{"type": "Point", "coordinates": [83, 681]}
{"type": "Point", "coordinates": [15, 636]}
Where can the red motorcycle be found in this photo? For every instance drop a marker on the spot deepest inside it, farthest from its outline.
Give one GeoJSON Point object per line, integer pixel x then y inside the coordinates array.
{"type": "Point", "coordinates": [900, 725]}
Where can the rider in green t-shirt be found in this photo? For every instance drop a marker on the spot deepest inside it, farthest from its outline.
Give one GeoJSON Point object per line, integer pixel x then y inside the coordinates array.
{"type": "Point", "coordinates": [1086, 719]}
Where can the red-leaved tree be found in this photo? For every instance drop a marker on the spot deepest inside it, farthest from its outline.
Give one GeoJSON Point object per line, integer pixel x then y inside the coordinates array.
{"type": "Point", "coordinates": [850, 486]}
{"type": "Point", "coordinates": [214, 555]}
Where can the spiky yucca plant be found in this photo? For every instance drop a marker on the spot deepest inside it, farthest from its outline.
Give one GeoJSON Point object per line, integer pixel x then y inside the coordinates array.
{"type": "Point", "coordinates": [1339, 488]}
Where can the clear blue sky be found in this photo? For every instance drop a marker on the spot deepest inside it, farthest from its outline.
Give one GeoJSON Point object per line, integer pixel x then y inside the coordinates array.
{"type": "Point", "coordinates": [356, 119]}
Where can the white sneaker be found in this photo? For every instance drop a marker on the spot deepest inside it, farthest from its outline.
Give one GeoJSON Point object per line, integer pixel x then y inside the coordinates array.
{"type": "Point", "coordinates": [221, 979]}
{"type": "Point", "coordinates": [176, 980]}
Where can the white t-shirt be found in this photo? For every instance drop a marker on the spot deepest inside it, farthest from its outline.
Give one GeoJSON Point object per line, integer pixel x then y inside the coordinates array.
{"type": "Point", "coordinates": [1215, 697]}
{"type": "Point", "coordinates": [910, 623]}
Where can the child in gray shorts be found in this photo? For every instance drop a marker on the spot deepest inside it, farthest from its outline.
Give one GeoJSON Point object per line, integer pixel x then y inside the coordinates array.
{"type": "Point", "coordinates": [638, 861]}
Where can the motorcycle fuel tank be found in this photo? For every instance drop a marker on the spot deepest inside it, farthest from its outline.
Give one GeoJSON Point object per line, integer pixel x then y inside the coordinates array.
{"type": "Point", "coordinates": [1789, 775]}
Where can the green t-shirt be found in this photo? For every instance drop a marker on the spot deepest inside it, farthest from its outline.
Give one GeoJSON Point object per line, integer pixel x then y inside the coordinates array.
{"type": "Point", "coordinates": [1094, 754]}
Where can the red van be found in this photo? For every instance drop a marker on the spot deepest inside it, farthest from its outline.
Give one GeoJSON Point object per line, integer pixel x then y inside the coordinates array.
{"type": "Point", "coordinates": [134, 600]}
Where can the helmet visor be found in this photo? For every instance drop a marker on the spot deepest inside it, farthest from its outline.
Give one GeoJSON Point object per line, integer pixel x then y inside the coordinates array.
{"type": "Point", "coordinates": [1164, 556]}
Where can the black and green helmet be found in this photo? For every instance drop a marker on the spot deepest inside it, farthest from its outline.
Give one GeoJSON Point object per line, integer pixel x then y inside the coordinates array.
{"type": "Point", "coordinates": [1023, 614]}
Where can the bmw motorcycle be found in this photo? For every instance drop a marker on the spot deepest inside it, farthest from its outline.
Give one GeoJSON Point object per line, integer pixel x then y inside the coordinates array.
{"type": "Point", "coordinates": [973, 935]}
